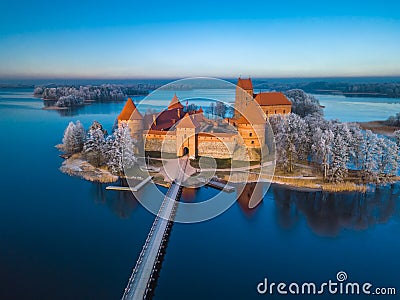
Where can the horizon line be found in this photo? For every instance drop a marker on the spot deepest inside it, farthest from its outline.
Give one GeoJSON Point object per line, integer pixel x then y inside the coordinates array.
{"type": "Point", "coordinates": [46, 77]}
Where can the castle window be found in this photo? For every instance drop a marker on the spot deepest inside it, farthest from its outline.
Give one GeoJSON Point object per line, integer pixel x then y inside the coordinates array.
{"type": "Point", "coordinates": [275, 110]}
{"type": "Point", "coordinates": [284, 111]}
{"type": "Point", "coordinates": [250, 134]}
{"type": "Point", "coordinates": [252, 142]}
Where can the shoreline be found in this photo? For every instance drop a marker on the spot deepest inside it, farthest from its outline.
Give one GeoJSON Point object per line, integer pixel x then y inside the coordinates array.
{"type": "Point", "coordinates": [378, 127]}
{"type": "Point", "coordinates": [345, 187]}
{"type": "Point", "coordinates": [75, 165]}
{"type": "Point", "coordinates": [53, 107]}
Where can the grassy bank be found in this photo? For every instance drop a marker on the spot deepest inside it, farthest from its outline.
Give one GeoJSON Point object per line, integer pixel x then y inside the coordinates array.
{"type": "Point", "coordinates": [319, 184]}
{"type": "Point", "coordinates": [378, 127]}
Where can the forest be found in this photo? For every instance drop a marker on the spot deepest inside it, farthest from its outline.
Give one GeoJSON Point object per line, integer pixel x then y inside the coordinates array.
{"type": "Point", "coordinates": [70, 96]}
{"type": "Point", "coordinates": [305, 136]}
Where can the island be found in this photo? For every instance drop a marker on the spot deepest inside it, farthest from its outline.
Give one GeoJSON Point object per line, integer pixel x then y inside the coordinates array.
{"type": "Point", "coordinates": [269, 136]}
{"type": "Point", "coordinates": [70, 96]}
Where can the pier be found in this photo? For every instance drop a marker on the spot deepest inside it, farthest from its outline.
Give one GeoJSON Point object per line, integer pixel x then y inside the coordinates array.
{"type": "Point", "coordinates": [141, 284]}
{"type": "Point", "coordinates": [127, 188]}
{"type": "Point", "coordinates": [218, 185]}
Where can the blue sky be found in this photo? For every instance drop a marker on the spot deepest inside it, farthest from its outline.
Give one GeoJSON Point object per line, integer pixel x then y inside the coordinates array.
{"type": "Point", "coordinates": [124, 39]}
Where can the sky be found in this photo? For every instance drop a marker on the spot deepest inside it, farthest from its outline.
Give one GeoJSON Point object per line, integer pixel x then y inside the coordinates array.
{"type": "Point", "coordinates": [157, 39]}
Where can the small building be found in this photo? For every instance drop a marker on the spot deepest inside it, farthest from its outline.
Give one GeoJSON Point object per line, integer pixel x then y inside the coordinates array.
{"type": "Point", "coordinates": [271, 103]}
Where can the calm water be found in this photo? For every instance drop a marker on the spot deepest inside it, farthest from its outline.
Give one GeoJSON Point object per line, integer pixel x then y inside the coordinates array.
{"type": "Point", "coordinates": [65, 238]}
{"type": "Point", "coordinates": [361, 109]}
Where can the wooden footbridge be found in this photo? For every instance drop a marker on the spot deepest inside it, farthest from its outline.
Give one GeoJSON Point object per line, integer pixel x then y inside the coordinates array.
{"type": "Point", "coordinates": [141, 284]}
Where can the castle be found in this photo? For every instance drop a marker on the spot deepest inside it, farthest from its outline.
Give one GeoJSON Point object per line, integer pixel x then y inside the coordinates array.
{"type": "Point", "coordinates": [179, 131]}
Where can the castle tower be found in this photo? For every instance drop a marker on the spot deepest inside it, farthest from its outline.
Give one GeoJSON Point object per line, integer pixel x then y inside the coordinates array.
{"type": "Point", "coordinates": [186, 136]}
{"type": "Point", "coordinates": [133, 118]}
{"type": "Point", "coordinates": [175, 103]}
{"type": "Point", "coordinates": [244, 94]}
{"type": "Point", "coordinates": [251, 126]}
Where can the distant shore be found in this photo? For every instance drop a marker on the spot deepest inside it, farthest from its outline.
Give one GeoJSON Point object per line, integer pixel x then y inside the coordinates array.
{"type": "Point", "coordinates": [53, 107]}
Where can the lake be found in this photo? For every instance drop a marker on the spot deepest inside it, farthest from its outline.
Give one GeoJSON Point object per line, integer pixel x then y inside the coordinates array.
{"type": "Point", "coordinates": [64, 238]}
{"type": "Point", "coordinates": [358, 109]}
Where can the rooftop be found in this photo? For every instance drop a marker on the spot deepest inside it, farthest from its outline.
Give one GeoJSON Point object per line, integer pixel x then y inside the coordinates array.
{"type": "Point", "coordinates": [245, 84]}
{"type": "Point", "coordinates": [175, 103]}
{"type": "Point", "coordinates": [128, 110]}
{"type": "Point", "coordinates": [272, 98]}
{"type": "Point", "coordinates": [188, 121]}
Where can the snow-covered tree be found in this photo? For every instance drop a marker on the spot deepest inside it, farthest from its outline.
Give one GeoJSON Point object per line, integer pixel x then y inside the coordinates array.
{"type": "Point", "coordinates": [38, 91]}
{"type": "Point", "coordinates": [397, 137]}
{"type": "Point", "coordinates": [80, 136]}
{"type": "Point", "coordinates": [387, 157]}
{"type": "Point", "coordinates": [314, 122]}
{"type": "Point", "coordinates": [322, 141]}
{"type": "Point", "coordinates": [69, 101]}
{"type": "Point", "coordinates": [303, 104]}
{"type": "Point", "coordinates": [67, 96]}
{"type": "Point", "coordinates": [94, 147]}
{"type": "Point", "coordinates": [120, 150]}
{"type": "Point", "coordinates": [74, 138]}
{"type": "Point", "coordinates": [290, 139]}
{"type": "Point", "coordinates": [370, 151]}
{"type": "Point", "coordinates": [340, 151]}
{"type": "Point", "coordinates": [68, 142]}
{"type": "Point", "coordinates": [355, 145]}
{"type": "Point", "coordinates": [338, 169]}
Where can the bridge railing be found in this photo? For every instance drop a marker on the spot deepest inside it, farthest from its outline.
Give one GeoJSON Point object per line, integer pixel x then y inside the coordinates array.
{"type": "Point", "coordinates": [175, 190]}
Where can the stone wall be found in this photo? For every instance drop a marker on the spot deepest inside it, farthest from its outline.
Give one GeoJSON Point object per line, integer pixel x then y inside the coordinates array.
{"type": "Point", "coordinates": [166, 144]}
{"type": "Point", "coordinates": [246, 154]}
{"type": "Point", "coordinates": [225, 147]}
{"type": "Point", "coordinates": [276, 109]}
{"type": "Point", "coordinates": [216, 148]}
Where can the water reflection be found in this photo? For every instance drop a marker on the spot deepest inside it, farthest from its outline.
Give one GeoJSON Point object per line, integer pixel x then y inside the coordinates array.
{"type": "Point", "coordinates": [121, 203]}
{"type": "Point", "coordinates": [329, 213]}
{"type": "Point", "coordinates": [245, 193]}
{"type": "Point", "coordinates": [69, 112]}
{"type": "Point", "coordinates": [189, 194]}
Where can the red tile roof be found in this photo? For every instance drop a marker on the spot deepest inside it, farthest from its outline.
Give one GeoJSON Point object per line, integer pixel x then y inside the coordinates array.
{"type": "Point", "coordinates": [175, 103]}
{"type": "Point", "coordinates": [188, 121]}
{"type": "Point", "coordinates": [127, 111]}
{"type": "Point", "coordinates": [166, 119]}
{"type": "Point", "coordinates": [273, 98]}
{"type": "Point", "coordinates": [245, 84]}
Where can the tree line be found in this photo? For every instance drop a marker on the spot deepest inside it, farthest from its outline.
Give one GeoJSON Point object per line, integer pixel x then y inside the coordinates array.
{"type": "Point", "coordinates": [69, 96]}
{"type": "Point", "coordinates": [336, 147]}
{"type": "Point", "coordinates": [377, 89]}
